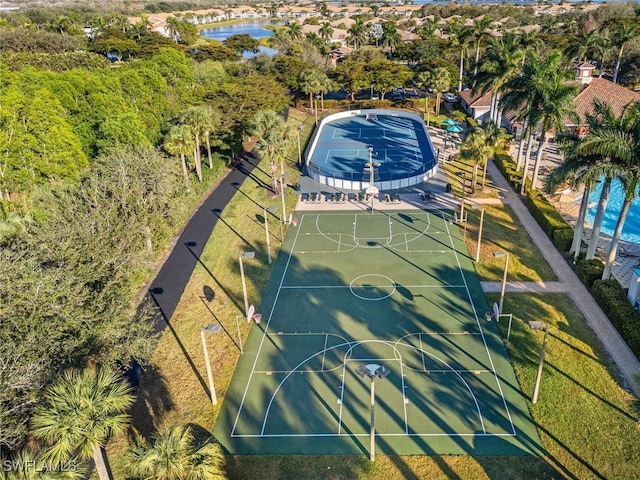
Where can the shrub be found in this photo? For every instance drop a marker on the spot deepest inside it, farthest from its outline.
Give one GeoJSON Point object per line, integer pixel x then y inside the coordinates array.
{"type": "Point", "coordinates": [612, 299]}
{"type": "Point", "coordinates": [545, 214]}
{"type": "Point", "coordinates": [563, 238]}
{"type": "Point", "coordinates": [471, 122]}
{"type": "Point", "coordinates": [590, 270]}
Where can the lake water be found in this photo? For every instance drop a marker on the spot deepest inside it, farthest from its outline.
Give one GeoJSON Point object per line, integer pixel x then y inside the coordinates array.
{"type": "Point", "coordinates": [253, 28]}
{"type": "Point", "coordinates": [631, 230]}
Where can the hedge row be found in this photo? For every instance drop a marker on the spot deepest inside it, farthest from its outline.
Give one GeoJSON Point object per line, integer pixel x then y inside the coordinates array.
{"type": "Point", "coordinates": [614, 303]}
{"type": "Point", "coordinates": [556, 227]}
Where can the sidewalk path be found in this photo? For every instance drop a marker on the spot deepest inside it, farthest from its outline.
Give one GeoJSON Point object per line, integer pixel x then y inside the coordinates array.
{"type": "Point", "coordinates": [166, 288]}
{"type": "Point", "coordinates": [597, 320]}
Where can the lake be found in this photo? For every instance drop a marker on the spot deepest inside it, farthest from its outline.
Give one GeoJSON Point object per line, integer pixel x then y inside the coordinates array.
{"type": "Point", "coordinates": [253, 28]}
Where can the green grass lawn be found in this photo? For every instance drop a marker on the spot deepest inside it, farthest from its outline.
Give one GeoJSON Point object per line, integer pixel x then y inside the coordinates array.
{"type": "Point", "coordinates": [586, 420]}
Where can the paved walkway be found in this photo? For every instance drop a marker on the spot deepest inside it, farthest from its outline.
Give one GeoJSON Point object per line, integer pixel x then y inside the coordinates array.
{"type": "Point", "coordinates": [567, 282]}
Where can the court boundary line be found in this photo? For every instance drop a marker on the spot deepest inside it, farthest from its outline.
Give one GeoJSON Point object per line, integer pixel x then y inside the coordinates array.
{"type": "Point", "coordinates": [481, 332]}
{"type": "Point", "coordinates": [475, 314]}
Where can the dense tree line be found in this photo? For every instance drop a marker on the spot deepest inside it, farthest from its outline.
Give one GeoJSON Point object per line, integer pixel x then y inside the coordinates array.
{"type": "Point", "coordinates": [92, 191]}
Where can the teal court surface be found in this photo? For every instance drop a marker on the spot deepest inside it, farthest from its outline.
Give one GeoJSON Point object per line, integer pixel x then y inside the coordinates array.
{"type": "Point", "coordinates": [395, 289]}
{"type": "Point", "coordinates": [398, 145]}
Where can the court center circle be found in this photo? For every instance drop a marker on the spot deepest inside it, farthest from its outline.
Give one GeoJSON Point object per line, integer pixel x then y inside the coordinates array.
{"type": "Point", "coordinates": [372, 287]}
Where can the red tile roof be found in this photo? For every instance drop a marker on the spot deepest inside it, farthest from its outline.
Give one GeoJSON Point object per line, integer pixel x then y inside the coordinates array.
{"type": "Point", "coordinates": [616, 96]}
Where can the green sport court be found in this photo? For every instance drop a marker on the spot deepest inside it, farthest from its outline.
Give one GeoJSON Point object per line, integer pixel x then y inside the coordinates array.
{"type": "Point", "coordinates": [396, 289]}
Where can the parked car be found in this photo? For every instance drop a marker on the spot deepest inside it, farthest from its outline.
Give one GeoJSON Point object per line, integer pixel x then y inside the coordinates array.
{"type": "Point", "coordinates": [450, 97]}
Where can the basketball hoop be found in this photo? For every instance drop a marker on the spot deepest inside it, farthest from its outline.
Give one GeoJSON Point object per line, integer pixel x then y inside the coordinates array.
{"type": "Point", "coordinates": [372, 190]}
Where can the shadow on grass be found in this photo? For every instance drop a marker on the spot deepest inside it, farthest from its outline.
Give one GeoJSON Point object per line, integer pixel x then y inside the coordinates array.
{"type": "Point", "coordinates": [298, 467]}
{"type": "Point", "coordinates": [153, 401]}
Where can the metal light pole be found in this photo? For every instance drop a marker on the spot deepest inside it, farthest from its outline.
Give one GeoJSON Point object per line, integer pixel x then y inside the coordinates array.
{"type": "Point", "coordinates": [480, 234]}
{"type": "Point", "coordinates": [299, 129]}
{"type": "Point", "coordinates": [371, 190]}
{"type": "Point", "coordinates": [284, 208]}
{"type": "Point", "coordinates": [213, 328]}
{"type": "Point", "coordinates": [539, 326]}
{"type": "Point", "coordinates": [244, 284]}
{"type": "Point", "coordinates": [372, 371]}
{"type": "Point", "coordinates": [239, 335]}
{"type": "Point", "coordinates": [500, 254]}
{"type": "Point", "coordinates": [266, 229]}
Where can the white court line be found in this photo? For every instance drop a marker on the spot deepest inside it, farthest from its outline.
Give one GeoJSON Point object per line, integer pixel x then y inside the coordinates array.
{"type": "Point", "coordinates": [410, 346]}
{"type": "Point", "coordinates": [347, 358]}
{"type": "Point", "coordinates": [324, 435]}
{"type": "Point", "coordinates": [316, 287]}
{"type": "Point", "coordinates": [266, 328]}
{"type": "Point", "coordinates": [495, 374]}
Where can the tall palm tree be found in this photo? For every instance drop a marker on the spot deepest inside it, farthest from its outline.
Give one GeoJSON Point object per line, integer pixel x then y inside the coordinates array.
{"type": "Point", "coordinates": [294, 30]}
{"type": "Point", "coordinates": [273, 139]}
{"type": "Point", "coordinates": [475, 149]}
{"type": "Point", "coordinates": [325, 31]}
{"type": "Point", "coordinates": [210, 122]}
{"type": "Point", "coordinates": [601, 48]}
{"type": "Point", "coordinates": [390, 36]}
{"type": "Point", "coordinates": [459, 35]}
{"type": "Point", "coordinates": [479, 31]}
{"type": "Point", "coordinates": [196, 119]}
{"type": "Point", "coordinates": [79, 412]}
{"type": "Point", "coordinates": [179, 142]}
{"type": "Point", "coordinates": [502, 61]}
{"type": "Point", "coordinates": [619, 139]}
{"type": "Point", "coordinates": [621, 37]}
{"type": "Point", "coordinates": [582, 44]}
{"type": "Point", "coordinates": [175, 456]}
{"type": "Point", "coordinates": [543, 96]}
{"type": "Point", "coordinates": [358, 32]}
{"type": "Point", "coordinates": [578, 171]}
{"type": "Point", "coordinates": [310, 81]}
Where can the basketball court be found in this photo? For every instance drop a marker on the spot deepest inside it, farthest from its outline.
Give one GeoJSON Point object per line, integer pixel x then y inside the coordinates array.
{"type": "Point", "coordinates": [399, 147]}
{"type": "Point", "coordinates": [395, 289]}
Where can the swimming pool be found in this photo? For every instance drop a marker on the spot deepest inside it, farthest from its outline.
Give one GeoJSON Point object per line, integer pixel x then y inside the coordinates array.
{"type": "Point", "coordinates": [631, 230]}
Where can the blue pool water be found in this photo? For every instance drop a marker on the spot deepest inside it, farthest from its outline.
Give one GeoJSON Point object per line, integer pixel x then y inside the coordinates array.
{"type": "Point", "coordinates": [631, 230]}
{"type": "Point", "coordinates": [253, 28]}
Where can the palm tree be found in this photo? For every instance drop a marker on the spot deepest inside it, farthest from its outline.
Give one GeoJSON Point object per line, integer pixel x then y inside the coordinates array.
{"type": "Point", "coordinates": [621, 37]}
{"type": "Point", "coordinates": [478, 31]}
{"type": "Point", "coordinates": [475, 149]}
{"type": "Point", "coordinates": [459, 37]}
{"type": "Point", "coordinates": [543, 96]}
{"type": "Point", "coordinates": [601, 49]}
{"type": "Point", "coordinates": [310, 83]}
{"type": "Point", "coordinates": [618, 138]}
{"type": "Point", "coordinates": [210, 122]}
{"type": "Point", "coordinates": [579, 171]}
{"type": "Point", "coordinates": [79, 412]}
{"type": "Point", "coordinates": [175, 456]}
{"type": "Point", "coordinates": [196, 119]}
{"type": "Point", "coordinates": [179, 142]}
{"type": "Point", "coordinates": [358, 32]}
{"type": "Point", "coordinates": [582, 45]}
{"type": "Point", "coordinates": [502, 61]}
{"type": "Point", "coordinates": [325, 31]}
{"type": "Point", "coordinates": [294, 30]}
{"type": "Point", "coordinates": [390, 35]}
{"type": "Point", "coordinates": [273, 138]}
